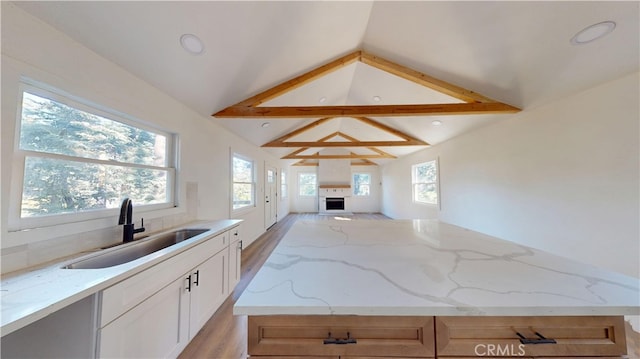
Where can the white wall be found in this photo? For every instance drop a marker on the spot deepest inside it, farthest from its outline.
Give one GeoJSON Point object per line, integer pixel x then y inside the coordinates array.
{"type": "Point", "coordinates": [300, 204]}
{"type": "Point", "coordinates": [371, 203]}
{"type": "Point", "coordinates": [334, 171]}
{"type": "Point", "coordinates": [563, 177]}
{"type": "Point", "coordinates": [397, 192]}
{"type": "Point", "coordinates": [34, 49]}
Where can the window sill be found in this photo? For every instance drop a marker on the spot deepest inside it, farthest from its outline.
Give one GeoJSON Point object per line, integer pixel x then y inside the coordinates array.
{"type": "Point", "coordinates": [242, 211]}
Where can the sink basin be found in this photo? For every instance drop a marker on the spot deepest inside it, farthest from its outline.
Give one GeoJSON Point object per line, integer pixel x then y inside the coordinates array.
{"type": "Point", "coordinates": [136, 250]}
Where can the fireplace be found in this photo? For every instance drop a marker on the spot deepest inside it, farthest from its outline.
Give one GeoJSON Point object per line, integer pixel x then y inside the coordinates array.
{"type": "Point", "coordinates": [334, 203]}
{"type": "Point", "coordinates": [333, 199]}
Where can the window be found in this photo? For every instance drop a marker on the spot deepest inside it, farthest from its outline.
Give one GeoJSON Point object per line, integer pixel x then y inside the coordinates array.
{"type": "Point", "coordinates": [361, 184]}
{"type": "Point", "coordinates": [425, 183]}
{"type": "Point", "coordinates": [283, 184]}
{"type": "Point", "coordinates": [243, 182]}
{"type": "Point", "coordinates": [74, 158]}
{"type": "Point", "coordinates": [307, 184]}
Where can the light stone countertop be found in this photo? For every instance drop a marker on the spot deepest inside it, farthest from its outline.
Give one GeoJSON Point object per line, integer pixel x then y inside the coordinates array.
{"type": "Point", "coordinates": [32, 295]}
{"type": "Point", "coordinates": [425, 267]}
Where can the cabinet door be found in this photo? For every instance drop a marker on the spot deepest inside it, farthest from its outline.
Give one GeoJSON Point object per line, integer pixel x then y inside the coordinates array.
{"type": "Point", "coordinates": [235, 259]}
{"type": "Point", "coordinates": [208, 290]}
{"type": "Point", "coordinates": [156, 328]}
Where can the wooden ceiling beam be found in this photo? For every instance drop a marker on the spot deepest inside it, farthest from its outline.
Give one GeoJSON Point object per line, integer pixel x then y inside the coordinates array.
{"type": "Point", "coordinates": [423, 79]}
{"type": "Point", "coordinates": [336, 157]}
{"type": "Point", "coordinates": [305, 163]}
{"type": "Point", "coordinates": [298, 131]}
{"type": "Point", "coordinates": [367, 163]}
{"type": "Point", "coordinates": [352, 155]}
{"type": "Point", "coordinates": [299, 81]}
{"type": "Point", "coordinates": [363, 161]}
{"type": "Point", "coordinates": [390, 130]}
{"type": "Point", "coordinates": [367, 110]}
{"type": "Point", "coordinates": [311, 144]}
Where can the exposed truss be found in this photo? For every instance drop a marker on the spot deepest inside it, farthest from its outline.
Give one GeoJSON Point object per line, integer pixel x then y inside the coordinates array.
{"type": "Point", "coordinates": [407, 140]}
{"type": "Point", "coordinates": [363, 158]}
{"type": "Point", "coordinates": [474, 103]}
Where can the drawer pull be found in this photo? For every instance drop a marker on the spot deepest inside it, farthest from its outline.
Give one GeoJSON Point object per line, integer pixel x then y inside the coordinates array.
{"type": "Point", "coordinates": [196, 281]}
{"type": "Point", "coordinates": [331, 340]}
{"type": "Point", "coordinates": [540, 340]}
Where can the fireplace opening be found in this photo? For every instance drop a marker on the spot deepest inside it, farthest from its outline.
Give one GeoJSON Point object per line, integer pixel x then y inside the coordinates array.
{"type": "Point", "coordinates": [335, 203]}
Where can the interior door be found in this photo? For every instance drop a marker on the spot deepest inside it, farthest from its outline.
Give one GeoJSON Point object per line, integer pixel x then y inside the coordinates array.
{"type": "Point", "coordinates": [270, 196]}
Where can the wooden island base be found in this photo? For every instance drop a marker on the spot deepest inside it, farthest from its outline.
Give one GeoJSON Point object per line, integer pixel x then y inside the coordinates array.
{"type": "Point", "coordinates": [369, 337]}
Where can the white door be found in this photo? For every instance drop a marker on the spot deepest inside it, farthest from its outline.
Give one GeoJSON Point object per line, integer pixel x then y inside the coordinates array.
{"type": "Point", "coordinates": [270, 196]}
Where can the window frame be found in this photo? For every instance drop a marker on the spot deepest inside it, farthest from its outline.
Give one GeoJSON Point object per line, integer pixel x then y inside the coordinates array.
{"type": "Point", "coordinates": [284, 183]}
{"type": "Point", "coordinates": [315, 189]}
{"type": "Point", "coordinates": [15, 220]}
{"type": "Point", "coordinates": [253, 183]}
{"type": "Point", "coordinates": [436, 183]}
{"type": "Point", "coordinates": [353, 184]}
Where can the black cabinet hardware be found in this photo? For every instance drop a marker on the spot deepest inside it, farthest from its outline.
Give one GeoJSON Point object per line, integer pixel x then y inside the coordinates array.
{"type": "Point", "coordinates": [331, 340]}
{"type": "Point", "coordinates": [539, 340]}
{"type": "Point", "coordinates": [196, 281]}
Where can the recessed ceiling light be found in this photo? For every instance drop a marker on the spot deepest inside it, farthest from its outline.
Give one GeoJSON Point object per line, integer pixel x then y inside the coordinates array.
{"type": "Point", "coordinates": [322, 99]}
{"type": "Point", "coordinates": [593, 32]}
{"type": "Point", "coordinates": [377, 98]}
{"type": "Point", "coordinates": [192, 44]}
{"type": "Point", "coordinates": [265, 124]}
{"type": "Point", "coordinates": [436, 123]}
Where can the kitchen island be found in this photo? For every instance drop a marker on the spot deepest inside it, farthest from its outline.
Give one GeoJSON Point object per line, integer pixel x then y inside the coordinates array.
{"type": "Point", "coordinates": [423, 288]}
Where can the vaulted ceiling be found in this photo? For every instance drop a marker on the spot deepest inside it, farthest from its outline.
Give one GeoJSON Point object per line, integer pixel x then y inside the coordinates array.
{"type": "Point", "coordinates": [517, 53]}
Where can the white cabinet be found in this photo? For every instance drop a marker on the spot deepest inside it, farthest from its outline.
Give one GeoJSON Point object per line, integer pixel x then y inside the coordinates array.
{"type": "Point", "coordinates": [207, 286]}
{"type": "Point", "coordinates": [155, 313]}
{"type": "Point", "coordinates": [235, 258]}
{"type": "Point", "coordinates": [156, 328]}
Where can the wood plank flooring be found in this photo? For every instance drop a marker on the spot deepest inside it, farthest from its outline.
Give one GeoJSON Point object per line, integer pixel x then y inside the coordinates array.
{"type": "Point", "coordinates": [224, 336]}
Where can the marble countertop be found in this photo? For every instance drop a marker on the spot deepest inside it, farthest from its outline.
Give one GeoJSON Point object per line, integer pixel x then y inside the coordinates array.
{"type": "Point", "coordinates": [34, 294]}
{"type": "Point", "coordinates": [425, 267]}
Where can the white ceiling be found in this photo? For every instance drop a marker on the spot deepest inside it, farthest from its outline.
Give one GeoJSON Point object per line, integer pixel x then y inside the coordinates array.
{"type": "Point", "coordinates": [515, 52]}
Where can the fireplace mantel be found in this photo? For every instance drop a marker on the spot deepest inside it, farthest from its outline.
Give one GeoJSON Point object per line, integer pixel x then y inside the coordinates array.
{"type": "Point", "coordinates": [334, 186]}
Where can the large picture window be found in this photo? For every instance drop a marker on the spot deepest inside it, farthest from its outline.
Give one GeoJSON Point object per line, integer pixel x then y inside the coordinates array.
{"type": "Point", "coordinates": [243, 182]}
{"type": "Point", "coordinates": [75, 158]}
{"type": "Point", "coordinates": [425, 182]}
{"type": "Point", "coordinates": [307, 184]}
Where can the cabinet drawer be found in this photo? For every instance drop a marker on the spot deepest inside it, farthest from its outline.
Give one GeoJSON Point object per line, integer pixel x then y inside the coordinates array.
{"type": "Point", "coordinates": [234, 234]}
{"type": "Point", "coordinates": [294, 335]}
{"type": "Point", "coordinates": [125, 295]}
{"type": "Point", "coordinates": [497, 336]}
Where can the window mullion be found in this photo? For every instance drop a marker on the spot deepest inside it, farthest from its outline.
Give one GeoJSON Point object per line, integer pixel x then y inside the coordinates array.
{"type": "Point", "coordinates": [28, 153]}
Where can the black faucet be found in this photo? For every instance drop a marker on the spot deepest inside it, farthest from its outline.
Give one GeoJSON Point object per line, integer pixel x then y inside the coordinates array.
{"type": "Point", "coordinates": [126, 216]}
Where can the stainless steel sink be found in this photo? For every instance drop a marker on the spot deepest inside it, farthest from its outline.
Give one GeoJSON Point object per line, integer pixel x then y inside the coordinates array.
{"type": "Point", "coordinates": [136, 250]}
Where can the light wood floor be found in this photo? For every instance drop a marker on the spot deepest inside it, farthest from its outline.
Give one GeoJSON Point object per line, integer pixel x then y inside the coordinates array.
{"type": "Point", "coordinates": [224, 336]}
